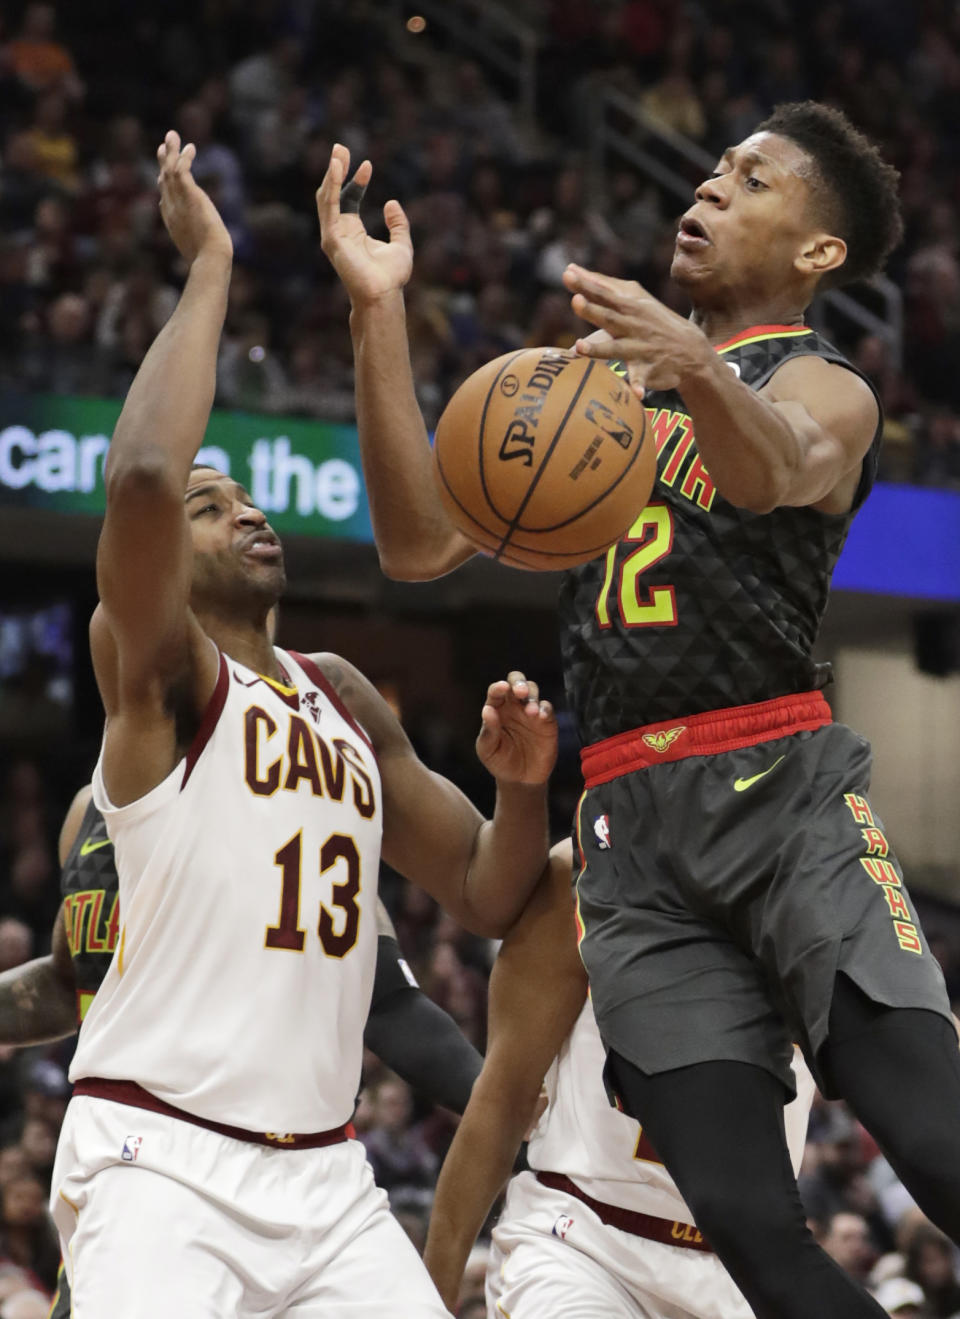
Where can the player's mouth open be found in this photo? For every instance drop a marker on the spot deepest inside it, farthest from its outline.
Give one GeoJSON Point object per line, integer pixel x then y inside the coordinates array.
{"type": "Point", "coordinates": [691, 235]}
{"type": "Point", "coordinates": [263, 545]}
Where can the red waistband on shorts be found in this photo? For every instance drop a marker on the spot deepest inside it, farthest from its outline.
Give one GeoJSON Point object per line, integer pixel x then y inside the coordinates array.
{"type": "Point", "coordinates": [670, 1232]}
{"type": "Point", "coordinates": [702, 735]}
{"type": "Point", "coordinates": [128, 1092]}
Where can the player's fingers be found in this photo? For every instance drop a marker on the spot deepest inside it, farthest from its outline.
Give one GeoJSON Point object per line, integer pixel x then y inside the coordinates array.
{"type": "Point", "coordinates": [546, 712]}
{"type": "Point", "coordinates": [637, 377]}
{"type": "Point", "coordinates": [184, 165]}
{"type": "Point", "coordinates": [519, 686]}
{"type": "Point", "coordinates": [489, 724]}
{"type": "Point", "coordinates": [351, 196]}
{"type": "Point", "coordinates": [605, 349]}
{"type": "Point", "coordinates": [612, 321]}
{"type": "Point", "coordinates": [397, 223]}
{"type": "Point", "coordinates": [497, 693]}
{"type": "Point", "coordinates": [167, 153]}
{"type": "Point", "coordinates": [605, 289]}
{"type": "Point", "coordinates": [328, 194]}
{"type": "Point", "coordinates": [172, 143]}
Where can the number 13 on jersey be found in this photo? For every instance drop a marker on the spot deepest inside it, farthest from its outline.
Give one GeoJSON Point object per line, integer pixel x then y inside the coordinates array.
{"type": "Point", "coordinates": [288, 932]}
{"type": "Point", "coordinates": [652, 533]}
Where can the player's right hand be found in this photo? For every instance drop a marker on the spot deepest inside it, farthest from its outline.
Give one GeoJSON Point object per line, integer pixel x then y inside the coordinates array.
{"type": "Point", "coordinates": [368, 267]}
{"type": "Point", "coordinates": [192, 220]}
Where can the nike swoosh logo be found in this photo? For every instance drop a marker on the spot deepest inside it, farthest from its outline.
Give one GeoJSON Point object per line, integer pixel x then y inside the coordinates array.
{"type": "Point", "coordinates": [90, 846]}
{"type": "Point", "coordinates": [741, 785]}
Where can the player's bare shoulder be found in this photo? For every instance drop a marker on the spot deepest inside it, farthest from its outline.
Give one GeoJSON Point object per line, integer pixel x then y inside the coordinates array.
{"type": "Point", "coordinates": [364, 703]}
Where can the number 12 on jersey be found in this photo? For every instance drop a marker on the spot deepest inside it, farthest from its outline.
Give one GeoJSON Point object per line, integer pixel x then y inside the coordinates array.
{"type": "Point", "coordinates": [653, 534]}
{"type": "Point", "coordinates": [288, 932]}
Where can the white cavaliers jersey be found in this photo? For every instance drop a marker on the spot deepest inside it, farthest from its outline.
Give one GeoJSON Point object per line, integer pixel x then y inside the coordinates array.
{"type": "Point", "coordinates": [244, 967]}
{"type": "Point", "coordinates": [601, 1149]}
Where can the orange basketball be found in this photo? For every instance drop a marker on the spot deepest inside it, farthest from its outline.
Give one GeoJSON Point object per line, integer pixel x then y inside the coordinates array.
{"type": "Point", "coordinates": [543, 458]}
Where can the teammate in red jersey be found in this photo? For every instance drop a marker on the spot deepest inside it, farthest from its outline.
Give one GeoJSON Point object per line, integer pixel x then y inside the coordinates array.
{"type": "Point", "coordinates": [736, 888]}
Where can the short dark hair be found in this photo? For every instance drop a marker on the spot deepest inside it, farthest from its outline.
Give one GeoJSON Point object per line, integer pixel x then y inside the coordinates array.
{"type": "Point", "coordinates": [857, 190]}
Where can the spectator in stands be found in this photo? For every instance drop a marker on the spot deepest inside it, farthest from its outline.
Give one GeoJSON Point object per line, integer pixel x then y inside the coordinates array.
{"type": "Point", "coordinates": [261, 81]}
{"type": "Point", "coordinates": [64, 359]}
{"type": "Point", "coordinates": [900, 1297]}
{"type": "Point", "coordinates": [39, 60]}
{"type": "Point", "coordinates": [846, 1239]}
{"type": "Point", "coordinates": [22, 183]}
{"type": "Point", "coordinates": [56, 151]}
{"type": "Point", "coordinates": [931, 1264]}
{"type": "Point", "coordinates": [399, 1158]}
{"type": "Point", "coordinates": [27, 1238]}
{"type": "Point", "coordinates": [216, 167]}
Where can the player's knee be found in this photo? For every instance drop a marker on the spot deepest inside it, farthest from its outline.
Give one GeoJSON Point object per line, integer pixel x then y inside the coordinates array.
{"type": "Point", "coordinates": [741, 1224]}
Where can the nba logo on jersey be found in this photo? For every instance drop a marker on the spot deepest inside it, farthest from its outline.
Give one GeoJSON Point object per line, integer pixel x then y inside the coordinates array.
{"type": "Point", "coordinates": [311, 702]}
{"type": "Point", "coordinates": [562, 1226]}
{"type": "Point", "coordinates": [601, 827]}
{"type": "Point", "coordinates": [131, 1148]}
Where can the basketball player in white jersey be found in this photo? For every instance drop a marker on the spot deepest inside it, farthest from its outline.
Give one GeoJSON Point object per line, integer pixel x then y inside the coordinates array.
{"type": "Point", "coordinates": [597, 1229]}
{"type": "Point", "coordinates": [205, 1166]}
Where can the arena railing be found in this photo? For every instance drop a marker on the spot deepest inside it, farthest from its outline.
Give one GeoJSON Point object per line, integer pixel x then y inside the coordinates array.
{"type": "Point", "coordinates": [497, 37]}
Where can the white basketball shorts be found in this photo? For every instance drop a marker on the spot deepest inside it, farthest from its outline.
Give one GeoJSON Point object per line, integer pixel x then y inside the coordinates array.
{"type": "Point", "coordinates": [158, 1217]}
{"type": "Point", "coordinates": [553, 1256]}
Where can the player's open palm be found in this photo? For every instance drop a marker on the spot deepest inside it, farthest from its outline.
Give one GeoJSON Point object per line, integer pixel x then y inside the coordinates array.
{"type": "Point", "coordinates": [369, 267]}
{"type": "Point", "coordinates": [192, 220]}
{"type": "Point", "coordinates": [518, 737]}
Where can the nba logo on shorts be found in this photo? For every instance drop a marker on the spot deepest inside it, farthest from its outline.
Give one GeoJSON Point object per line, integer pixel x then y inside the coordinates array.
{"type": "Point", "coordinates": [562, 1226]}
{"type": "Point", "coordinates": [601, 827]}
{"type": "Point", "coordinates": [131, 1148]}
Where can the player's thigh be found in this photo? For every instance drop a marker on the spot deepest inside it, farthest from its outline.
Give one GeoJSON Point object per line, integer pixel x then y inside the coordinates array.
{"type": "Point", "coordinates": [543, 1276]}
{"type": "Point", "coordinates": [374, 1274]}
{"type": "Point", "coordinates": [148, 1247]}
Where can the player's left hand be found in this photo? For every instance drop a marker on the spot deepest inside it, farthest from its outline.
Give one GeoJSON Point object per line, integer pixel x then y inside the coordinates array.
{"type": "Point", "coordinates": [518, 736]}
{"type": "Point", "coordinates": [658, 347]}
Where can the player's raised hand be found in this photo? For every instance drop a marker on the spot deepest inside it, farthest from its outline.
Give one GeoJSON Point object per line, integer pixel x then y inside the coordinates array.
{"type": "Point", "coordinates": [518, 737]}
{"type": "Point", "coordinates": [659, 348]}
{"type": "Point", "coordinates": [368, 267]}
{"type": "Point", "coordinates": [192, 220]}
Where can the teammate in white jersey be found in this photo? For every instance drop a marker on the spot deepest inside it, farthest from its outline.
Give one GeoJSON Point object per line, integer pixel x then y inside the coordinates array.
{"type": "Point", "coordinates": [205, 1166]}
{"type": "Point", "coordinates": [597, 1229]}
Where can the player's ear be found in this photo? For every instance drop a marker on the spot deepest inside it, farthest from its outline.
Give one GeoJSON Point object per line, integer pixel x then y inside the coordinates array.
{"type": "Point", "coordinates": [821, 253]}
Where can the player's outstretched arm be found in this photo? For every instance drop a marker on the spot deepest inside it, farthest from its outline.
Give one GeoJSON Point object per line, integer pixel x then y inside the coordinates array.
{"type": "Point", "coordinates": [799, 441]}
{"type": "Point", "coordinates": [537, 989]}
{"type": "Point", "coordinates": [415, 539]}
{"type": "Point", "coordinates": [141, 634]}
{"type": "Point", "coordinates": [481, 871]}
{"type": "Point", "coordinates": [412, 1035]}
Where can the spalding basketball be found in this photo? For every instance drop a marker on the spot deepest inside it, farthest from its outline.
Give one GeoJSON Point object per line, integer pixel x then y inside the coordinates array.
{"type": "Point", "coordinates": [543, 458]}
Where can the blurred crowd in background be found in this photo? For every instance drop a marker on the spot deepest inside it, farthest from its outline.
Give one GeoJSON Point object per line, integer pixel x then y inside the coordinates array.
{"type": "Point", "coordinates": [498, 207]}
{"type": "Point", "coordinates": [264, 87]}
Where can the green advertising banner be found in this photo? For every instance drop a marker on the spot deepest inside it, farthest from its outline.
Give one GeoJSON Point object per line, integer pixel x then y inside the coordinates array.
{"type": "Point", "coordinates": [305, 475]}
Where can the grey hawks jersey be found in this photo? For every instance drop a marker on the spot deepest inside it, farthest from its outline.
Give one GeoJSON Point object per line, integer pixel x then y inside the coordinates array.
{"type": "Point", "coordinates": [703, 606]}
{"type": "Point", "coordinates": [91, 902]}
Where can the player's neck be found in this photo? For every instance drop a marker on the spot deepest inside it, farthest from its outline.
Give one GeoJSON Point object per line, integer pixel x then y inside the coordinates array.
{"type": "Point", "coordinates": [245, 640]}
{"type": "Point", "coordinates": [720, 324]}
